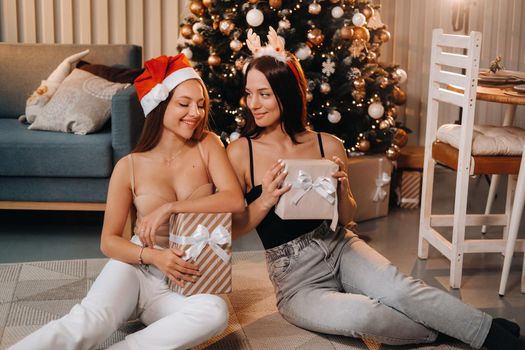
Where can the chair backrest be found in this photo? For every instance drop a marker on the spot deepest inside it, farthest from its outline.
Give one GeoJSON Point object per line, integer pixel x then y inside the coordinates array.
{"type": "Point", "coordinates": [454, 69]}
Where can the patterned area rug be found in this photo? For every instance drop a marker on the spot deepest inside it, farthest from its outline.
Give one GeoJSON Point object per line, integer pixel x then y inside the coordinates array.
{"type": "Point", "coordinates": [32, 294]}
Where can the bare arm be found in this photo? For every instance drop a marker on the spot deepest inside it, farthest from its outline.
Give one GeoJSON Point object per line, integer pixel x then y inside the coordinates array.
{"type": "Point", "coordinates": [346, 203]}
{"type": "Point", "coordinates": [255, 212]}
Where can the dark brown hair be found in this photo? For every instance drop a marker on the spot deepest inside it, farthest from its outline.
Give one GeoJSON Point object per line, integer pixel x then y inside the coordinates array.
{"type": "Point", "coordinates": [152, 131]}
{"type": "Point", "coordinates": [289, 90]}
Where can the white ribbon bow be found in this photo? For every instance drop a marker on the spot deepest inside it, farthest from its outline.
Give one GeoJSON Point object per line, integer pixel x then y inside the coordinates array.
{"type": "Point", "coordinates": [160, 93]}
{"type": "Point", "coordinates": [380, 194]}
{"type": "Point", "coordinates": [201, 237]}
{"type": "Point", "coordinates": [322, 185]}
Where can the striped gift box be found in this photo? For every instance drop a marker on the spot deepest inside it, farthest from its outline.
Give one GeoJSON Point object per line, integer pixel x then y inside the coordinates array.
{"type": "Point", "coordinates": [206, 239]}
{"type": "Point", "coordinates": [410, 189]}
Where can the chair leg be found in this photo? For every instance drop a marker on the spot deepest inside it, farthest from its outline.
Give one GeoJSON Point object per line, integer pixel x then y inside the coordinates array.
{"type": "Point", "coordinates": [426, 208]}
{"type": "Point", "coordinates": [494, 182]}
{"type": "Point", "coordinates": [523, 276]}
{"type": "Point", "coordinates": [515, 219]}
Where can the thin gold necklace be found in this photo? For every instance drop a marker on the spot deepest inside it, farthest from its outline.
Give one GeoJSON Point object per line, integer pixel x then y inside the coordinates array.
{"type": "Point", "coordinates": [169, 160]}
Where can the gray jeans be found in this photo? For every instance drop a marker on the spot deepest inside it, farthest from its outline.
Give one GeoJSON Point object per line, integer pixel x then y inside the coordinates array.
{"type": "Point", "coordinates": [333, 282]}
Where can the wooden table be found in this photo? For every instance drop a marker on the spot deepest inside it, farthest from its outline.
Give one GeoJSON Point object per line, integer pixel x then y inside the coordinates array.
{"type": "Point", "coordinates": [500, 94]}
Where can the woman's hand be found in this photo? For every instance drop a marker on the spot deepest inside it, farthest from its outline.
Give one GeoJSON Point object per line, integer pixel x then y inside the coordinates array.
{"type": "Point", "coordinates": [341, 176]}
{"type": "Point", "coordinates": [148, 225]}
{"type": "Point", "coordinates": [170, 262]}
{"type": "Point", "coordinates": [271, 185]}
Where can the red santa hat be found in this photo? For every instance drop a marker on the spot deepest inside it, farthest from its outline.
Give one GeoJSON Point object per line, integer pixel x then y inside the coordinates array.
{"type": "Point", "coordinates": [161, 75]}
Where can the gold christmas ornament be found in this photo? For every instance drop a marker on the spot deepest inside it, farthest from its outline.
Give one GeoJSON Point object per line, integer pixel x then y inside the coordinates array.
{"type": "Point", "coordinates": [382, 82]}
{"type": "Point", "coordinates": [334, 1]}
{"type": "Point", "coordinates": [276, 3]}
{"type": "Point", "coordinates": [226, 26]}
{"type": "Point", "coordinates": [359, 83]}
{"type": "Point", "coordinates": [368, 11]}
{"type": "Point", "coordinates": [384, 124]}
{"type": "Point", "coordinates": [315, 36]}
{"type": "Point", "coordinates": [309, 96]}
{"type": "Point", "coordinates": [239, 63]}
{"type": "Point", "coordinates": [358, 95]}
{"type": "Point", "coordinates": [314, 8]}
{"type": "Point", "coordinates": [325, 88]}
{"type": "Point", "coordinates": [186, 31]}
{"type": "Point", "coordinates": [347, 33]}
{"type": "Point", "coordinates": [197, 39]}
{"type": "Point", "coordinates": [400, 97]}
{"type": "Point", "coordinates": [400, 138]}
{"type": "Point", "coordinates": [392, 152]}
{"type": "Point", "coordinates": [197, 8]}
{"type": "Point", "coordinates": [235, 45]}
{"type": "Point", "coordinates": [371, 56]}
{"type": "Point", "coordinates": [384, 35]}
{"type": "Point", "coordinates": [363, 145]}
{"type": "Point", "coordinates": [208, 3]}
{"type": "Point", "coordinates": [253, 2]}
{"type": "Point", "coordinates": [214, 60]}
{"type": "Point", "coordinates": [361, 33]}
{"type": "Point", "coordinates": [392, 112]}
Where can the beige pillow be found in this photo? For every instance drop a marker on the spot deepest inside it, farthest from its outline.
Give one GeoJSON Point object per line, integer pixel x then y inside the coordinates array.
{"type": "Point", "coordinates": [38, 99]}
{"type": "Point", "coordinates": [81, 104]}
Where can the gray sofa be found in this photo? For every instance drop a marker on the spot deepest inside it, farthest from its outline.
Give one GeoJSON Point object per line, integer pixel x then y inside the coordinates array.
{"type": "Point", "coordinates": [54, 170]}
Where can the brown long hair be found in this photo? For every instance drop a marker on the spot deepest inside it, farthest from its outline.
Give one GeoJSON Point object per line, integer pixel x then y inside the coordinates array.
{"type": "Point", "coordinates": [289, 90]}
{"type": "Point", "coordinates": [152, 131]}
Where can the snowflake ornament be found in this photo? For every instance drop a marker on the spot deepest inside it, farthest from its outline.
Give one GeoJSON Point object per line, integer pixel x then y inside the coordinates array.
{"type": "Point", "coordinates": [357, 47]}
{"type": "Point", "coordinates": [328, 67]}
{"type": "Point", "coordinates": [354, 73]}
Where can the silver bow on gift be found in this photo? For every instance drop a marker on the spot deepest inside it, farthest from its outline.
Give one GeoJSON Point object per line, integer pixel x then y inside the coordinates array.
{"type": "Point", "coordinates": [322, 185]}
{"type": "Point", "coordinates": [380, 194]}
{"type": "Point", "coordinates": [202, 237]}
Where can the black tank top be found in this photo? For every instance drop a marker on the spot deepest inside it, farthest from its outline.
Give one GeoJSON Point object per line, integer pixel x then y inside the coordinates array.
{"type": "Point", "coordinates": [273, 230]}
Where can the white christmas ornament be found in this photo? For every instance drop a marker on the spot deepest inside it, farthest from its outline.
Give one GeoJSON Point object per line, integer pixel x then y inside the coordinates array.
{"type": "Point", "coordinates": [334, 116]}
{"type": "Point", "coordinates": [254, 17]}
{"type": "Point", "coordinates": [187, 52]}
{"type": "Point", "coordinates": [359, 19]}
{"type": "Point", "coordinates": [234, 136]}
{"type": "Point", "coordinates": [196, 26]}
{"type": "Point", "coordinates": [303, 52]}
{"type": "Point", "coordinates": [235, 45]}
{"type": "Point", "coordinates": [284, 24]}
{"type": "Point", "coordinates": [402, 75]}
{"type": "Point", "coordinates": [376, 110]}
{"type": "Point", "coordinates": [337, 12]}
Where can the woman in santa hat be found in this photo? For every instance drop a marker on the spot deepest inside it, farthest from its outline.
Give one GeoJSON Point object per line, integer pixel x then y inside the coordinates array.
{"type": "Point", "coordinates": [177, 166]}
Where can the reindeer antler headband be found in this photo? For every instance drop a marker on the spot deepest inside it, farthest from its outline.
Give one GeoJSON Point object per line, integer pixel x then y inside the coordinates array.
{"type": "Point", "coordinates": [274, 48]}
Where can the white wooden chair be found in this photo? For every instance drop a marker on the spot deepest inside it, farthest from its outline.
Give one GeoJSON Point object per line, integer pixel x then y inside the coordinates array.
{"type": "Point", "coordinates": [448, 86]}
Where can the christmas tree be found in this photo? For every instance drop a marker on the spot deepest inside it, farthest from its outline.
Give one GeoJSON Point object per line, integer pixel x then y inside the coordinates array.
{"type": "Point", "coordinates": [350, 93]}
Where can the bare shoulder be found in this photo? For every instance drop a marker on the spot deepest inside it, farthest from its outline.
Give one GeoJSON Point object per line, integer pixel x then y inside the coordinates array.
{"type": "Point", "coordinates": [332, 144]}
{"type": "Point", "coordinates": [122, 171]}
{"type": "Point", "coordinates": [238, 149]}
{"type": "Point", "coordinates": [211, 140]}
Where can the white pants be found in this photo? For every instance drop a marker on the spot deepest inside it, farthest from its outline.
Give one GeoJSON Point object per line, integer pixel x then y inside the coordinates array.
{"type": "Point", "coordinates": [122, 291]}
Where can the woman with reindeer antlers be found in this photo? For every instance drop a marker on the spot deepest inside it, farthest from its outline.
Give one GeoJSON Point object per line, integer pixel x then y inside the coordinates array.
{"type": "Point", "coordinates": [326, 280]}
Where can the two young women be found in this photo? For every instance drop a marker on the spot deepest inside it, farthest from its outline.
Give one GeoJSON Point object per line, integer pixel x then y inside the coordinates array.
{"type": "Point", "coordinates": [325, 281]}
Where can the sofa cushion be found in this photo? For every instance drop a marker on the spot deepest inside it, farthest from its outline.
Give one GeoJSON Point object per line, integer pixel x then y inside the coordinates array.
{"type": "Point", "coordinates": [81, 105]}
{"type": "Point", "coordinates": [42, 153]}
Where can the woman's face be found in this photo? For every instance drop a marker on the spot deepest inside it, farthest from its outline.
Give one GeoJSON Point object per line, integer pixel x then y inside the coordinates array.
{"type": "Point", "coordinates": [261, 100]}
{"type": "Point", "coordinates": [186, 109]}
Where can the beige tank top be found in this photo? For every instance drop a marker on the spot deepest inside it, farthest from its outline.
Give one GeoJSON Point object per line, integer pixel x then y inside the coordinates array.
{"type": "Point", "coordinates": [146, 203]}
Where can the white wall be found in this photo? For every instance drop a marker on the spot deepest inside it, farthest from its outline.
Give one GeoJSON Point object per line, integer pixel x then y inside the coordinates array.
{"type": "Point", "coordinates": [154, 25]}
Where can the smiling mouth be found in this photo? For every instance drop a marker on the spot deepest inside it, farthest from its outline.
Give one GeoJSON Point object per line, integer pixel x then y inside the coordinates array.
{"type": "Point", "coordinates": [190, 122]}
{"type": "Point", "coordinates": [258, 115]}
